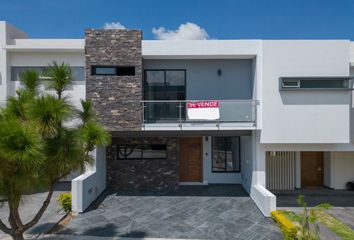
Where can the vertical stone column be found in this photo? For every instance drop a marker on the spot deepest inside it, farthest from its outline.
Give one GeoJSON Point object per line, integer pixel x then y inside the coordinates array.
{"type": "Point", "coordinates": [116, 98]}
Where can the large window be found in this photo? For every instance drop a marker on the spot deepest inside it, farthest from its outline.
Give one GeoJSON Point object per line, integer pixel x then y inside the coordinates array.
{"type": "Point", "coordinates": [226, 156]}
{"type": "Point", "coordinates": [163, 89]}
{"type": "Point", "coordinates": [141, 151]}
{"type": "Point", "coordinates": [78, 73]}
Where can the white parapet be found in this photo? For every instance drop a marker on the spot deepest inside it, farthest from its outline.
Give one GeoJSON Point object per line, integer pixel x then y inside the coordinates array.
{"type": "Point", "coordinates": [264, 199]}
{"type": "Point", "coordinates": [88, 186]}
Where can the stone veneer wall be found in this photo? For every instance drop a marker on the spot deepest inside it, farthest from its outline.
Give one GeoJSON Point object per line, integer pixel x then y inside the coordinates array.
{"type": "Point", "coordinates": [116, 99]}
{"type": "Point", "coordinates": [143, 174]}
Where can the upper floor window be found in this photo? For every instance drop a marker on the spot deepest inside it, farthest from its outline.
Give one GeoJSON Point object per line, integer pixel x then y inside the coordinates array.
{"type": "Point", "coordinates": [293, 83]}
{"type": "Point", "coordinates": [165, 85]}
{"type": "Point", "coordinates": [78, 73]}
{"type": "Point", "coordinates": [113, 70]}
{"type": "Point", "coordinates": [163, 89]}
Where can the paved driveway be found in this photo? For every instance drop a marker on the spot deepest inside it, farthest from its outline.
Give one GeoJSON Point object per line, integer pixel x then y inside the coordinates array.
{"type": "Point", "coordinates": [29, 207]}
{"type": "Point", "coordinates": [202, 212]}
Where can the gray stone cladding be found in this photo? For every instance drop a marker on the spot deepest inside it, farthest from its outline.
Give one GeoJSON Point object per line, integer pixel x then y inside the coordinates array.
{"type": "Point", "coordinates": [143, 174]}
{"type": "Point", "coordinates": [116, 99]}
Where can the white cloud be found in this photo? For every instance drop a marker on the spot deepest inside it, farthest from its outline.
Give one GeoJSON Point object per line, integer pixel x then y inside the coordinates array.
{"type": "Point", "coordinates": [113, 25]}
{"type": "Point", "coordinates": [187, 31]}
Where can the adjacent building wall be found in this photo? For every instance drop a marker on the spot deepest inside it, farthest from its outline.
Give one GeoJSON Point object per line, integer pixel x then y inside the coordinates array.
{"type": "Point", "coordinates": [38, 59]}
{"type": "Point", "coordinates": [7, 33]}
{"type": "Point", "coordinates": [342, 169]}
{"type": "Point", "coordinates": [304, 116]}
{"type": "Point", "coordinates": [203, 81]}
{"type": "Point", "coordinates": [116, 98]}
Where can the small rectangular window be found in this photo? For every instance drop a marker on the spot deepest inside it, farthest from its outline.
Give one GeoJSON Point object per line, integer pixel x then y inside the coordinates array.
{"type": "Point", "coordinates": [104, 71]}
{"type": "Point", "coordinates": [141, 151]}
{"type": "Point", "coordinates": [113, 70]}
{"type": "Point", "coordinates": [320, 83]}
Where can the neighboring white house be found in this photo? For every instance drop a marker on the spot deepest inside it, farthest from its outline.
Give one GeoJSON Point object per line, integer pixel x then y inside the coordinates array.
{"type": "Point", "coordinates": [267, 114]}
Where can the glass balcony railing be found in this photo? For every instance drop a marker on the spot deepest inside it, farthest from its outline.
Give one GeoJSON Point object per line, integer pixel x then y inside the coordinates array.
{"type": "Point", "coordinates": [172, 111]}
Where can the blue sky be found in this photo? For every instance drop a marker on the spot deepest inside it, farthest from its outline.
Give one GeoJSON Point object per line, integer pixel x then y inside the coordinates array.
{"type": "Point", "coordinates": [220, 19]}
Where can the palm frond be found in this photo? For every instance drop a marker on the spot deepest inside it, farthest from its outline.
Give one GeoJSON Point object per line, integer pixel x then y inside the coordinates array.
{"type": "Point", "coordinates": [17, 105]}
{"type": "Point", "coordinates": [94, 135]}
{"type": "Point", "coordinates": [20, 145]}
{"type": "Point", "coordinates": [87, 114]}
{"type": "Point", "coordinates": [60, 77]}
{"type": "Point", "coordinates": [30, 79]}
{"type": "Point", "coordinates": [64, 153]}
{"type": "Point", "coordinates": [49, 113]}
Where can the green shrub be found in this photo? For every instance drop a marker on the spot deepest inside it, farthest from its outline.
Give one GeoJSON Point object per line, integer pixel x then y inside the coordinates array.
{"type": "Point", "coordinates": [287, 227]}
{"type": "Point", "coordinates": [64, 200]}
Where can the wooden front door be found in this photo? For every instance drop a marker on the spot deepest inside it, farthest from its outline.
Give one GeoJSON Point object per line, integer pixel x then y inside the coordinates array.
{"type": "Point", "coordinates": [311, 169]}
{"type": "Point", "coordinates": [190, 160]}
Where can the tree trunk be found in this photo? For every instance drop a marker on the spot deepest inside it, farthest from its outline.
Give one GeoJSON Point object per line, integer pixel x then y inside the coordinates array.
{"type": "Point", "coordinates": [17, 227]}
{"type": "Point", "coordinates": [16, 224]}
{"type": "Point", "coordinates": [17, 235]}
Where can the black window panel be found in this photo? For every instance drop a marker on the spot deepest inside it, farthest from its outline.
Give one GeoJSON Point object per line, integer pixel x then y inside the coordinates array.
{"type": "Point", "coordinates": [226, 154]}
{"type": "Point", "coordinates": [141, 151]}
{"type": "Point", "coordinates": [113, 70]}
{"type": "Point", "coordinates": [324, 84]}
{"type": "Point", "coordinates": [125, 71]}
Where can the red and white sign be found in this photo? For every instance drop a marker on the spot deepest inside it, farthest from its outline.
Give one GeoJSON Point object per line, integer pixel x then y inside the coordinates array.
{"type": "Point", "coordinates": [203, 110]}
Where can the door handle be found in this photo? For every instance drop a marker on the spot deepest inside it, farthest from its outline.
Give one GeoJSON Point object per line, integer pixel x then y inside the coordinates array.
{"type": "Point", "coordinates": [319, 169]}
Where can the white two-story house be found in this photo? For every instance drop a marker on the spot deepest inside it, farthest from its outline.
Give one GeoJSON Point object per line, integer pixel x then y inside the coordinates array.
{"type": "Point", "coordinates": [267, 114]}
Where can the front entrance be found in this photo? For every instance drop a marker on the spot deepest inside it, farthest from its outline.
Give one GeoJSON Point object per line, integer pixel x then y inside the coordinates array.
{"type": "Point", "coordinates": [190, 159]}
{"type": "Point", "coordinates": [311, 169]}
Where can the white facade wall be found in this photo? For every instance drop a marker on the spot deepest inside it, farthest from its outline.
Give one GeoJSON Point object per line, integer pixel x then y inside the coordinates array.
{"type": "Point", "coordinates": [340, 169]}
{"type": "Point", "coordinates": [88, 186]}
{"type": "Point", "coordinates": [7, 32]}
{"type": "Point", "coordinates": [304, 116]}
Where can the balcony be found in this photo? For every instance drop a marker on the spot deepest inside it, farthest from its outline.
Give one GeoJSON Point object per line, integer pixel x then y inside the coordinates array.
{"type": "Point", "coordinates": [199, 114]}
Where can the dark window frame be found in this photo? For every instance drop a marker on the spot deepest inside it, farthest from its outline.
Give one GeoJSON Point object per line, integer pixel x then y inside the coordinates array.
{"type": "Point", "coordinates": [347, 83]}
{"type": "Point", "coordinates": [42, 69]}
{"type": "Point", "coordinates": [165, 92]}
{"type": "Point", "coordinates": [116, 70]}
{"type": "Point", "coordinates": [141, 146]}
{"type": "Point", "coordinates": [212, 156]}
{"type": "Point", "coordinates": [165, 70]}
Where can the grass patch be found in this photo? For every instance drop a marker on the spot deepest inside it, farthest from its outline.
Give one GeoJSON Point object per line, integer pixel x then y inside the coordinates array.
{"type": "Point", "coordinates": [335, 225]}
{"type": "Point", "coordinates": [292, 216]}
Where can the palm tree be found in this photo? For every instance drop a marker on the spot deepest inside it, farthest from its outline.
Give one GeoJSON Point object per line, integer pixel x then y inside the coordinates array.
{"type": "Point", "coordinates": [60, 77]}
{"type": "Point", "coordinates": [37, 149]}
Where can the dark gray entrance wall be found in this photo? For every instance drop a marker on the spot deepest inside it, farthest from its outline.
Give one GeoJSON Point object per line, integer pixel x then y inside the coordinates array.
{"type": "Point", "coordinates": [116, 98]}
{"type": "Point", "coordinates": [203, 81]}
{"type": "Point", "coordinates": [143, 174]}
